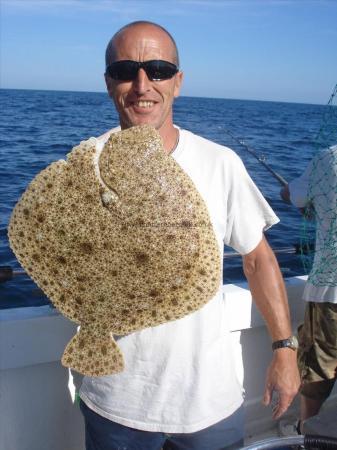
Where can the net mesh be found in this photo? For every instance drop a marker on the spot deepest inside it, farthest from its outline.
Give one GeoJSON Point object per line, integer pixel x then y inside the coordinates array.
{"type": "Point", "coordinates": [320, 214]}
{"type": "Point", "coordinates": [327, 133]}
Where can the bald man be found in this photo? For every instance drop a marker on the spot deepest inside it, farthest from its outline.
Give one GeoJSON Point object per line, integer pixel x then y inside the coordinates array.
{"type": "Point", "coordinates": [179, 389]}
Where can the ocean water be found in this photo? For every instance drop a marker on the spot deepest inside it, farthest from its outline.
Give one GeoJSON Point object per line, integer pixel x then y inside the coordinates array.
{"type": "Point", "coordinates": [38, 127]}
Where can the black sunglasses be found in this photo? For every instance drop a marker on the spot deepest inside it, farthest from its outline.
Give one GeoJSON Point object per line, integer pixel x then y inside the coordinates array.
{"type": "Point", "coordinates": [155, 69]}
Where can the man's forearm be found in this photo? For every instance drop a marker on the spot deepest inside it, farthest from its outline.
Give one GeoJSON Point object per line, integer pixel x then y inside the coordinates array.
{"type": "Point", "coordinates": [268, 291]}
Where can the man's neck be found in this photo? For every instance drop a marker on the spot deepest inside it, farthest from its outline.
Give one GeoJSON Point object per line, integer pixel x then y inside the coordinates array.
{"type": "Point", "coordinates": [170, 139]}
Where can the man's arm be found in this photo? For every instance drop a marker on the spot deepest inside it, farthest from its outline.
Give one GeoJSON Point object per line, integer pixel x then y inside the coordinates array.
{"type": "Point", "coordinates": [268, 291]}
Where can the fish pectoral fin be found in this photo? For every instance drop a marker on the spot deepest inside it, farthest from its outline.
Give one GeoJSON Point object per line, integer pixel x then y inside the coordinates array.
{"type": "Point", "coordinates": [93, 354]}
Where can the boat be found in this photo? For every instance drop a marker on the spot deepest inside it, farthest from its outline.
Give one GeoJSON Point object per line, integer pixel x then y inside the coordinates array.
{"type": "Point", "coordinates": [39, 410]}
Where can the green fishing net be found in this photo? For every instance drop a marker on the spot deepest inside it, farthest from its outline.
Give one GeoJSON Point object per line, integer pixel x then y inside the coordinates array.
{"type": "Point", "coordinates": [327, 134]}
{"type": "Point", "coordinates": [320, 215]}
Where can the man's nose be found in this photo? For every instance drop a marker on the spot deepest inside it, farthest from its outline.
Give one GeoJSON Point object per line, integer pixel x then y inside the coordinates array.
{"type": "Point", "coordinates": [141, 82]}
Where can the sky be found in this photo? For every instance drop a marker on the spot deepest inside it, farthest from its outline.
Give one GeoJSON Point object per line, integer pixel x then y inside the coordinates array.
{"type": "Point", "coordinates": [279, 50]}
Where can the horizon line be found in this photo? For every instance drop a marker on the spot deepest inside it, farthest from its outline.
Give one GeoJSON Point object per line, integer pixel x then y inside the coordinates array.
{"type": "Point", "coordinates": [181, 96]}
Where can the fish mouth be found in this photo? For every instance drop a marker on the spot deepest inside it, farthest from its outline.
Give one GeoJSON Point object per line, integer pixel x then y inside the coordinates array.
{"type": "Point", "coordinates": [109, 196]}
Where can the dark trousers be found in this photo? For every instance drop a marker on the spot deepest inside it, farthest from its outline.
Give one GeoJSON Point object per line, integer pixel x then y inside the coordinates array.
{"type": "Point", "coordinates": [103, 434]}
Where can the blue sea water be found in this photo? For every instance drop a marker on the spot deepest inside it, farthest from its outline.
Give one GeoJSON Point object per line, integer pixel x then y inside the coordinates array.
{"type": "Point", "coordinates": [38, 127]}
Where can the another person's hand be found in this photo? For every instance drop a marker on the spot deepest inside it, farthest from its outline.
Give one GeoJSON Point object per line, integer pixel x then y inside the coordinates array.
{"type": "Point", "coordinates": [308, 211]}
{"type": "Point", "coordinates": [282, 379]}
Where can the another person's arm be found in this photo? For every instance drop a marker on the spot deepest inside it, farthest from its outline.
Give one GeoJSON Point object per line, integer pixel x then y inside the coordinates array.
{"type": "Point", "coordinates": [306, 210]}
{"type": "Point", "coordinates": [296, 193]}
{"type": "Point", "coordinates": [268, 291]}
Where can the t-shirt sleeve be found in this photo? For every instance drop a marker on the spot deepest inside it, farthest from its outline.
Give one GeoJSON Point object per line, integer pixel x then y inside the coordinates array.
{"type": "Point", "coordinates": [249, 214]}
{"type": "Point", "coordinates": [299, 187]}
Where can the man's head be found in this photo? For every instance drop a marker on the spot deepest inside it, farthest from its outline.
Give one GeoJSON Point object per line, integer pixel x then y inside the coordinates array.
{"type": "Point", "coordinates": [142, 100]}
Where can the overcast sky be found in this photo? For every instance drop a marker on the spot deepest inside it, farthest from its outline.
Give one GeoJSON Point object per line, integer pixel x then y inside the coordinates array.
{"type": "Point", "coordinates": [283, 50]}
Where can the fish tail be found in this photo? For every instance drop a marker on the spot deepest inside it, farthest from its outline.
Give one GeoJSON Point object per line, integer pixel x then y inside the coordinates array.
{"type": "Point", "coordinates": [93, 354]}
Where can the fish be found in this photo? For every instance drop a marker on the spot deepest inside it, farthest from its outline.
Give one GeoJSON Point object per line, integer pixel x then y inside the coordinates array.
{"type": "Point", "coordinates": [119, 239]}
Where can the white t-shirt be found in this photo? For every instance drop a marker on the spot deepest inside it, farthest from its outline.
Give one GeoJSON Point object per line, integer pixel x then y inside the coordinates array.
{"type": "Point", "coordinates": [318, 184]}
{"type": "Point", "coordinates": [179, 377]}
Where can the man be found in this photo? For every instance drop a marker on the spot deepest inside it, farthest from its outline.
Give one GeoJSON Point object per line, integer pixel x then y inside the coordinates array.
{"type": "Point", "coordinates": [179, 388]}
{"type": "Point", "coordinates": [316, 189]}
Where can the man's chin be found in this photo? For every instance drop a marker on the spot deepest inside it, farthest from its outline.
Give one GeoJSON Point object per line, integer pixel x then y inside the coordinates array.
{"type": "Point", "coordinates": [139, 122]}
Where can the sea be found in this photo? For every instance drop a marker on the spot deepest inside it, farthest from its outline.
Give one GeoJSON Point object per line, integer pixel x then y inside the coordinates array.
{"type": "Point", "coordinates": [39, 127]}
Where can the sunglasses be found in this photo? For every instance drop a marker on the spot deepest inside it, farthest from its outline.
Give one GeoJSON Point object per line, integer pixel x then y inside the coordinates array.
{"type": "Point", "coordinates": [156, 70]}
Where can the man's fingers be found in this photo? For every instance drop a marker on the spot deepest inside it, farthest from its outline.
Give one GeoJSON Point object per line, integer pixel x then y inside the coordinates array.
{"type": "Point", "coordinates": [267, 395]}
{"type": "Point", "coordinates": [280, 403]}
{"type": "Point", "coordinates": [279, 410]}
{"type": "Point", "coordinates": [283, 403]}
{"type": "Point", "coordinates": [277, 413]}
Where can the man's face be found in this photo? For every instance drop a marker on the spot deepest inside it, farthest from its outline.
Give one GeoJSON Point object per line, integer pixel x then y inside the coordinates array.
{"type": "Point", "coordinates": [142, 101]}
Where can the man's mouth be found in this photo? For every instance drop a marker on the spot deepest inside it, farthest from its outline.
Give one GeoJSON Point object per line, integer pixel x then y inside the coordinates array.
{"type": "Point", "coordinates": [144, 104]}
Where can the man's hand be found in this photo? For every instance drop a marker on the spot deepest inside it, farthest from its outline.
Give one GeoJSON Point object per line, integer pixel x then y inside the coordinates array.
{"type": "Point", "coordinates": [282, 379]}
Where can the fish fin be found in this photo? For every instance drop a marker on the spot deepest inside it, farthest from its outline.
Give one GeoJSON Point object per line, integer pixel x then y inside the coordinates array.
{"type": "Point", "coordinates": [93, 354]}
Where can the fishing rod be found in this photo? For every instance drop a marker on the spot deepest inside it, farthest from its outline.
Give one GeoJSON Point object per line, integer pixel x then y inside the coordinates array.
{"type": "Point", "coordinates": [7, 273]}
{"type": "Point", "coordinates": [333, 94]}
{"type": "Point", "coordinates": [261, 159]}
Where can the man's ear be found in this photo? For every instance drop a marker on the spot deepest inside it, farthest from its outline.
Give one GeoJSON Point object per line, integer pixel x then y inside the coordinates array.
{"type": "Point", "coordinates": [178, 82]}
{"type": "Point", "coordinates": [108, 83]}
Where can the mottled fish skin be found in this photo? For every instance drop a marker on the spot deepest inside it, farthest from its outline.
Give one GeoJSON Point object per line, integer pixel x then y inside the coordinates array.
{"type": "Point", "coordinates": [119, 242]}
